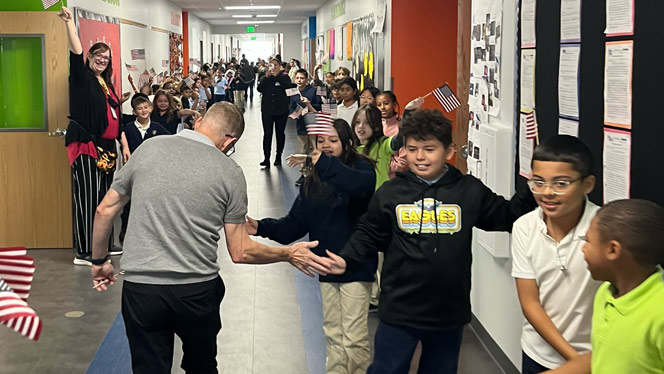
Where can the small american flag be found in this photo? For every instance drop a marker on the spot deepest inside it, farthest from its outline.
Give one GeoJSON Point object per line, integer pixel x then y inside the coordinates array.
{"type": "Point", "coordinates": [330, 109]}
{"type": "Point", "coordinates": [531, 126]}
{"type": "Point", "coordinates": [138, 54]}
{"type": "Point", "coordinates": [446, 98]}
{"type": "Point", "coordinates": [323, 125]}
{"type": "Point", "coordinates": [152, 72]}
{"type": "Point", "coordinates": [296, 113]}
{"type": "Point", "coordinates": [292, 91]}
{"type": "Point", "coordinates": [131, 67]}
{"type": "Point", "coordinates": [144, 79]}
{"type": "Point", "coordinates": [16, 273]}
{"type": "Point", "coordinates": [49, 3]}
{"type": "Point", "coordinates": [188, 81]}
{"type": "Point", "coordinates": [321, 91]}
{"type": "Point", "coordinates": [164, 63]}
{"type": "Point", "coordinates": [194, 61]}
{"type": "Point", "coordinates": [17, 315]}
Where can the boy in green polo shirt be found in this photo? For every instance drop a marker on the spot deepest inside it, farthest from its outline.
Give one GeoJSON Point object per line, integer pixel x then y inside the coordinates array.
{"type": "Point", "coordinates": [624, 245]}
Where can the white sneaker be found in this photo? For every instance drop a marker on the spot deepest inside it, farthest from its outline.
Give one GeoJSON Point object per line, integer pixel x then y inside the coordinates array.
{"type": "Point", "coordinates": [83, 261]}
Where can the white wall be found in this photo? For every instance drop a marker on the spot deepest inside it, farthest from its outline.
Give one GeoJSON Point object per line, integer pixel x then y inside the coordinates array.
{"type": "Point", "coordinates": [356, 9]}
{"type": "Point", "coordinates": [493, 295]}
{"type": "Point", "coordinates": [290, 44]}
{"type": "Point", "coordinates": [199, 30]}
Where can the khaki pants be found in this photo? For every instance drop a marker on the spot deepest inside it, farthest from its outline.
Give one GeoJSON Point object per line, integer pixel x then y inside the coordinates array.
{"type": "Point", "coordinates": [306, 143]}
{"type": "Point", "coordinates": [345, 315]}
{"type": "Point", "coordinates": [375, 286]}
{"type": "Point", "coordinates": [239, 101]}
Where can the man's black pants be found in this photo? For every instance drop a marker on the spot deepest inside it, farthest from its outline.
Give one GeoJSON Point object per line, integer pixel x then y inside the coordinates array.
{"type": "Point", "coordinates": [154, 313]}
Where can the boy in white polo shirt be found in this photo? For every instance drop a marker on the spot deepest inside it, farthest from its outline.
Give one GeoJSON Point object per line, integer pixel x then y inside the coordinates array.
{"type": "Point", "coordinates": [554, 287]}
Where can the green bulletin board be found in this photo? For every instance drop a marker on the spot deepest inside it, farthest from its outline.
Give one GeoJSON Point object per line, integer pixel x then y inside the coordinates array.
{"type": "Point", "coordinates": [22, 86]}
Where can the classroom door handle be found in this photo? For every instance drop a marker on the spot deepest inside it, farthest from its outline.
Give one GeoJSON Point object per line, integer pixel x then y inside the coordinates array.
{"type": "Point", "coordinates": [60, 133]}
{"type": "Point", "coordinates": [464, 152]}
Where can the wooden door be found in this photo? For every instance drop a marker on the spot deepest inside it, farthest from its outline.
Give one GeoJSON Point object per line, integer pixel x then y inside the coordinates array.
{"type": "Point", "coordinates": [460, 135]}
{"type": "Point", "coordinates": [35, 177]}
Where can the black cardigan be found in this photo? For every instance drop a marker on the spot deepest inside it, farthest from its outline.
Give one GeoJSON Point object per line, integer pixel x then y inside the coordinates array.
{"type": "Point", "coordinates": [87, 106]}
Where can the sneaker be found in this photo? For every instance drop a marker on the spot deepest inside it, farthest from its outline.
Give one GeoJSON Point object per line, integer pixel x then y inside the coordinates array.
{"type": "Point", "coordinates": [373, 308]}
{"type": "Point", "coordinates": [265, 163]}
{"type": "Point", "coordinates": [116, 251]}
{"type": "Point", "coordinates": [299, 181]}
{"type": "Point", "coordinates": [82, 261]}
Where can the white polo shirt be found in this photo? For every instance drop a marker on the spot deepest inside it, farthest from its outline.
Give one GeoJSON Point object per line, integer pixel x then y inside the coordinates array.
{"type": "Point", "coordinates": [347, 113]}
{"type": "Point", "coordinates": [565, 288]}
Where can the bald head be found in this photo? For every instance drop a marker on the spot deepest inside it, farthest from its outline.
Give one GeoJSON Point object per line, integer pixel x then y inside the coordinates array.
{"type": "Point", "coordinates": [221, 119]}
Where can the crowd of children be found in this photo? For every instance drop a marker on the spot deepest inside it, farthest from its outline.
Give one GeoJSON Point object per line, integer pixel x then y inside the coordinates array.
{"type": "Point", "coordinates": [399, 215]}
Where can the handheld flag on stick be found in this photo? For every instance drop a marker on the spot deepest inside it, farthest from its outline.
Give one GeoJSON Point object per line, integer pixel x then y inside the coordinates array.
{"type": "Point", "coordinates": [445, 97]}
{"type": "Point", "coordinates": [152, 72]}
{"type": "Point", "coordinates": [323, 124]}
{"type": "Point", "coordinates": [531, 127]}
{"type": "Point", "coordinates": [296, 113]}
{"type": "Point", "coordinates": [49, 3]}
{"type": "Point", "coordinates": [330, 109]}
{"type": "Point", "coordinates": [292, 91]}
{"type": "Point", "coordinates": [16, 273]}
{"type": "Point", "coordinates": [144, 79]}
{"type": "Point", "coordinates": [131, 67]}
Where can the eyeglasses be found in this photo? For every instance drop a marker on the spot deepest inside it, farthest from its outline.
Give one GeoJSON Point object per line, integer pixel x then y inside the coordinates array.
{"type": "Point", "coordinates": [232, 149]}
{"type": "Point", "coordinates": [102, 57]}
{"type": "Point", "coordinates": [538, 186]}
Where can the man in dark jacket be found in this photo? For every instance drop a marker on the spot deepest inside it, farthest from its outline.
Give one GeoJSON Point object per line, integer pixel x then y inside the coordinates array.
{"type": "Point", "coordinates": [274, 109]}
{"type": "Point", "coordinates": [423, 221]}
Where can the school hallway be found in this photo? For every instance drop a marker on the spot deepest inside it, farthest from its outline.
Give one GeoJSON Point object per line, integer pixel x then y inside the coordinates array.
{"type": "Point", "coordinates": [271, 314]}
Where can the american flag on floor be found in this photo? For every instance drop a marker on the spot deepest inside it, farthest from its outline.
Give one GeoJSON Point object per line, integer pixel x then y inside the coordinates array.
{"type": "Point", "coordinates": [131, 67]}
{"type": "Point", "coordinates": [330, 109]}
{"type": "Point", "coordinates": [323, 124]}
{"type": "Point", "coordinates": [531, 126]}
{"type": "Point", "coordinates": [138, 54]}
{"type": "Point", "coordinates": [16, 273]}
{"type": "Point", "coordinates": [49, 3]}
{"type": "Point", "coordinates": [446, 98]}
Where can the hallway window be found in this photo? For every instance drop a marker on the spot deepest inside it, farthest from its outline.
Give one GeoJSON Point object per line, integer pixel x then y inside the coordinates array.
{"type": "Point", "coordinates": [22, 83]}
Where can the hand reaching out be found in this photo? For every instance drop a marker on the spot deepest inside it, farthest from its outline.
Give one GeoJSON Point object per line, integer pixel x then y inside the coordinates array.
{"type": "Point", "coordinates": [415, 104]}
{"type": "Point", "coordinates": [335, 263]}
{"type": "Point", "coordinates": [306, 261]}
{"type": "Point", "coordinates": [251, 226]}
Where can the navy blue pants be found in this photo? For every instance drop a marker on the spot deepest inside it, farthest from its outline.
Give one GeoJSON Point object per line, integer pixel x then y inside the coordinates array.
{"type": "Point", "coordinates": [530, 366]}
{"type": "Point", "coordinates": [394, 347]}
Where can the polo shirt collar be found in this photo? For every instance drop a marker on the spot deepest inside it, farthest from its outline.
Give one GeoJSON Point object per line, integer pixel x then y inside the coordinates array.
{"type": "Point", "coordinates": [196, 136]}
{"type": "Point", "coordinates": [580, 228]}
{"type": "Point", "coordinates": [625, 303]}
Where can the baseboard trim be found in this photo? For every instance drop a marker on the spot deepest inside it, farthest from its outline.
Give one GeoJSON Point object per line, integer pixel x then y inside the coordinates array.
{"type": "Point", "coordinates": [501, 359]}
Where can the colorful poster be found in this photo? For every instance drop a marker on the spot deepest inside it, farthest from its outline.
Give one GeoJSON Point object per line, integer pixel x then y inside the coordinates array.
{"type": "Point", "coordinates": [349, 41]}
{"type": "Point", "coordinates": [332, 43]}
{"type": "Point", "coordinates": [91, 32]}
{"type": "Point", "coordinates": [175, 52]}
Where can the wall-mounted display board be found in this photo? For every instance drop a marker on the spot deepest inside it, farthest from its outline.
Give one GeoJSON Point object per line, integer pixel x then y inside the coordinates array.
{"type": "Point", "coordinates": [602, 85]}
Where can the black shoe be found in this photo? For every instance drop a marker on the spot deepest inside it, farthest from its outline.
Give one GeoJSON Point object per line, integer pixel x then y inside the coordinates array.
{"type": "Point", "coordinates": [277, 162]}
{"type": "Point", "coordinates": [265, 163]}
{"type": "Point", "coordinates": [299, 181]}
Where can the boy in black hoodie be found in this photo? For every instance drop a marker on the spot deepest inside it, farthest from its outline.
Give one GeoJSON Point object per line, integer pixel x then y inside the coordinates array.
{"type": "Point", "coordinates": [426, 272]}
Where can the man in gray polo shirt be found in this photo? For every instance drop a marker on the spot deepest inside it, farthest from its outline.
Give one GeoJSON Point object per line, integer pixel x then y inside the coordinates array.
{"type": "Point", "coordinates": [172, 283]}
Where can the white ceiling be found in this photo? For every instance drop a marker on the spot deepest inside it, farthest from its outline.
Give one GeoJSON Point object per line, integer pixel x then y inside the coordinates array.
{"type": "Point", "coordinates": [291, 12]}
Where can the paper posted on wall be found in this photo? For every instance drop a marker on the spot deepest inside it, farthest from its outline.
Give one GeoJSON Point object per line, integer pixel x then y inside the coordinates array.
{"type": "Point", "coordinates": [616, 164]}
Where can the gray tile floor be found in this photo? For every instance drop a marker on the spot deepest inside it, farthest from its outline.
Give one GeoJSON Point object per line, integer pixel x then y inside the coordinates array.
{"type": "Point", "coordinates": [262, 327]}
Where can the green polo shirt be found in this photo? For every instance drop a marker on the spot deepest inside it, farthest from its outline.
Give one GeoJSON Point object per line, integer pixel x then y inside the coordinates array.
{"type": "Point", "coordinates": [628, 332]}
{"type": "Point", "coordinates": [381, 153]}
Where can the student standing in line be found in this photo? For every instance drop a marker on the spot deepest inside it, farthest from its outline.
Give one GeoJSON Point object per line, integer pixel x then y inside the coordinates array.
{"type": "Point", "coordinates": [312, 102]}
{"type": "Point", "coordinates": [624, 249]}
{"type": "Point", "coordinates": [348, 94]}
{"type": "Point", "coordinates": [554, 287]}
{"type": "Point", "coordinates": [274, 110]}
{"type": "Point", "coordinates": [165, 112]}
{"type": "Point", "coordinates": [368, 95]}
{"type": "Point", "coordinates": [388, 105]}
{"type": "Point", "coordinates": [332, 198]}
{"type": "Point", "coordinates": [422, 220]}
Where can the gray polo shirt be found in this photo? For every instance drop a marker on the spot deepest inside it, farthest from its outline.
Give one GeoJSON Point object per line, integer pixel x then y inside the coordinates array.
{"type": "Point", "coordinates": [182, 191]}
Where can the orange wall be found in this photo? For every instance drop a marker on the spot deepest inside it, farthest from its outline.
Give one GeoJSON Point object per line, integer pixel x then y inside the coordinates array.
{"type": "Point", "coordinates": [424, 49]}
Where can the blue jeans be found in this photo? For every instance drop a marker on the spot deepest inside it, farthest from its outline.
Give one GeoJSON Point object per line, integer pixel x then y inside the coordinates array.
{"type": "Point", "coordinates": [394, 347]}
{"type": "Point", "coordinates": [530, 366]}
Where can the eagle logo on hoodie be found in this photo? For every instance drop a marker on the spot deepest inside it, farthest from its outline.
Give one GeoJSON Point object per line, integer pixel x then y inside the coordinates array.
{"type": "Point", "coordinates": [429, 216]}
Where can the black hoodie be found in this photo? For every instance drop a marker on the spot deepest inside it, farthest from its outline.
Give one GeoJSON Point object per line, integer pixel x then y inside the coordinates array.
{"type": "Point", "coordinates": [425, 281]}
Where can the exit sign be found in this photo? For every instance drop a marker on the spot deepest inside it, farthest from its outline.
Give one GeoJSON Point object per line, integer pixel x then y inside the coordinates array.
{"type": "Point", "coordinates": [250, 29]}
{"type": "Point", "coordinates": [253, 38]}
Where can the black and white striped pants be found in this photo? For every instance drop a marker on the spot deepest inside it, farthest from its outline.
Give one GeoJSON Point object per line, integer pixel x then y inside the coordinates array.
{"type": "Point", "coordinates": [90, 186]}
